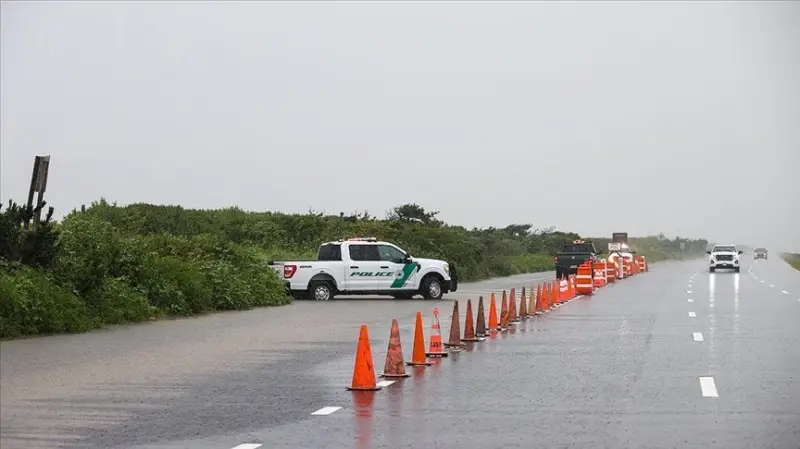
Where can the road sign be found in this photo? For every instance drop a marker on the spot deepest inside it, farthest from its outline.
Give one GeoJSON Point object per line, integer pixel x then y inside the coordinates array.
{"type": "Point", "coordinates": [614, 246]}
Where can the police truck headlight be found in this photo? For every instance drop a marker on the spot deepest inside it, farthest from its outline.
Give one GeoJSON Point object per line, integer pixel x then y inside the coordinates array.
{"type": "Point", "coordinates": [447, 269]}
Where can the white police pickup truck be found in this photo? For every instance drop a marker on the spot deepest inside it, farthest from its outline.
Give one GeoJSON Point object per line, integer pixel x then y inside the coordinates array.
{"type": "Point", "coordinates": [365, 266]}
{"type": "Point", "coordinates": [723, 256]}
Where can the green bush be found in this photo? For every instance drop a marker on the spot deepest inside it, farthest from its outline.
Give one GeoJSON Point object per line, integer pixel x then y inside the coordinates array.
{"type": "Point", "coordinates": [32, 303]}
{"type": "Point", "coordinates": [117, 302]}
{"type": "Point", "coordinates": [89, 250]}
{"type": "Point", "coordinates": [36, 247]}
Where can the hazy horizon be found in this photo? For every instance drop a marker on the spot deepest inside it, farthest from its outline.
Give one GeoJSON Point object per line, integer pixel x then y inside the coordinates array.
{"type": "Point", "coordinates": [492, 113]}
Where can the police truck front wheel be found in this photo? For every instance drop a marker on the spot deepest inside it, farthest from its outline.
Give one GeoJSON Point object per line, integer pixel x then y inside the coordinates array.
{"type": "Point", "coordinates": [432, 288]}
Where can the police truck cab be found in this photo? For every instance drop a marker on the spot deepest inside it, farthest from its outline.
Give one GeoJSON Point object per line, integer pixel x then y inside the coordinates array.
{"type": "Point", "coordinates": [366, 266]}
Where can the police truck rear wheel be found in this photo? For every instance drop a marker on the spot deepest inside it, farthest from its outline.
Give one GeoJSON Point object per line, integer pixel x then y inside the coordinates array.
{"type": "Point", "coordinates": [320, 291]}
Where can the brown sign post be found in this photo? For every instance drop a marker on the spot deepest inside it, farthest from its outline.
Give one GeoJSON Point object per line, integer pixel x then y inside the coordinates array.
{"type": "Point", "coordinates": [41, 167]}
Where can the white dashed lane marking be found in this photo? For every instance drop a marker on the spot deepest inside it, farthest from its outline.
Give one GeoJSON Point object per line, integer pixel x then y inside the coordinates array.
{"type": "Point", "coordinates": [697, 336]}
{"type": "Point", "coordinates": [708, 387]}
{"type": "Point", "coordinates": [248, 446]}
{"type": "Point", "coordinates": [326, 411]}
{"type": "Point", "coordinates": [784, 292]}
{"type": "Point", "coordinates": [772, 285]}
{"type": "Point", "coordinates": [692, 315]}
{"type": "Point", "coordinates": [691, 300]}
{"type": "Point", "coordinates": [385, 383]}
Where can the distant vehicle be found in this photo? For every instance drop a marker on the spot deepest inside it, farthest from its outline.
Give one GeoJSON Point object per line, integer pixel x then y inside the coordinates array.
{"type": "Point", "coordinates": [760, 253]}
{"type": "Point", "coordinates": [573, 254]}
{"type": "Point", "coordinates": [619, 249]}
{"type": "Point", "coordinates": [366, 266]}
{"type": "Point", "coordinates": [723, 256]}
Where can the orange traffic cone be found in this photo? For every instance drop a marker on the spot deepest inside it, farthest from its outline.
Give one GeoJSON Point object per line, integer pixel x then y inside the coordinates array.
{"type": "Point", "coordinates": [469, 330]}
{"type": "Point", "coordinates": [454, 342]}
{"type": "Point", "coordinates": [533, 308]}
{"type": "Point", "coordinates": [436, 349]}
{"type": "Point", "coordinates": [523, 306]}
{"type": "Point", "coordinates": [493, 324]}
{"type": "Point", "coordinates": [512, 307]}
{"type": "Point", "coordinates": [394, 366]}
{"type": "Point", "coordinates": [539, 308]}
{"type": "Point", "coordinates": [364, 370]}
{"type": "Point", "coordinates": [546, 296]}
{"type": "Point", "coordinates": [556, 295]}
{"type": "Point", "coordinates": [504, 312]}
{"type": "Point", "coordinates": [480, 328]}
{"type": "Point", "coordinates": [418, 351]}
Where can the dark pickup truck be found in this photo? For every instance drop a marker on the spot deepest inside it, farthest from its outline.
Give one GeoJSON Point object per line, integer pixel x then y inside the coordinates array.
{"type": "Point", "coordinates": [572, 255]}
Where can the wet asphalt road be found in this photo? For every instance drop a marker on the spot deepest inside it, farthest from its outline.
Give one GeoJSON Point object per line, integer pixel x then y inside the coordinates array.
{"type": "Point", "coordinates": [628, 367]}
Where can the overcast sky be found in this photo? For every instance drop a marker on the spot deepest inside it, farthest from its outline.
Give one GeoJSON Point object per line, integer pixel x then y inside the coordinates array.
{"type": "Point", "coordinates": [674, 117]}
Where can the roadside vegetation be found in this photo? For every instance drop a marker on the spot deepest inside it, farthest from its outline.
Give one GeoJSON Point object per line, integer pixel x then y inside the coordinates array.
{"type": "Point", "coordinates": [792, 259]}
{"type": "Point", "coordinates": [111, 265]}
{"type": "Point", "coordinates": [659, 248]}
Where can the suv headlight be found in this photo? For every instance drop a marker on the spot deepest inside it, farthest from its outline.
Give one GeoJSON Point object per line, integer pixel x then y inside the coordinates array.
{"type": "Point", "coordinates": [447, 269]}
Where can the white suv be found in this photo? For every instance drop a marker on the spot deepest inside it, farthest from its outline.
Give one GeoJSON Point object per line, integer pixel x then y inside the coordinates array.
{"type": "Point", "coordinates": [723, 256]}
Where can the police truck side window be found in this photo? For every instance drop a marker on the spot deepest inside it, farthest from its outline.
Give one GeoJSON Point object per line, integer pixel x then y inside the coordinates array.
{"type": "Point", "coordinates": [357, 252]}
{"type": "Point", "coordinates": [390, 253]}
{"type": "Point", "coordinates": [364, 253]}
{"type": "Point", "coordinates": [330, 252]}
{"type": "Point", "coordinates": [371, 252]}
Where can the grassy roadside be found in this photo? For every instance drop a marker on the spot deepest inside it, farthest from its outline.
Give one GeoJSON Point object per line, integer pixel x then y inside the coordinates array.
{"type": "Point", "coordinates": [792, 259]}
{"type": "Point", "coordinates": [111, 265]}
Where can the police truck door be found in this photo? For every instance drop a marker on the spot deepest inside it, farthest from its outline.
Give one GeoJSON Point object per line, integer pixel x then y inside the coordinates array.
{"type": "Point", "coordinates": [395, 275]}
{"type": "Point", "coordinates": [364, 268]}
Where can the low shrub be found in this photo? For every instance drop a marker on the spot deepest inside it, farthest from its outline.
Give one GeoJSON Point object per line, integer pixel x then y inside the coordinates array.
{"type": "Point", "coordinates": [33, 303]}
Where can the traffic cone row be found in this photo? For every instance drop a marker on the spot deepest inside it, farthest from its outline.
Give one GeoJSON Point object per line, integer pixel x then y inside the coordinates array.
{"type": "Point", "coordinates": [537, 301]}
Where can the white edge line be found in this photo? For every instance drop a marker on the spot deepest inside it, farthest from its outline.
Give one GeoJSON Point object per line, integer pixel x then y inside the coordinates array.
{"type": "Point", "coordinates": [325, 411]}
{"type": "Point", "coordinates": [708, 388]}
{"type": "Point", "coordinates": [697, 336]}
{"type": "Point", "coordinates": [385, 383]}
{"type": "Point", "coordinates": [248, 446]}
